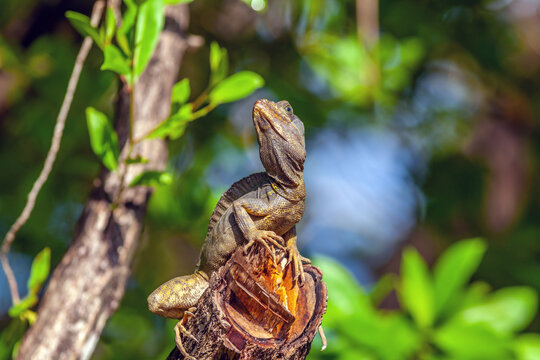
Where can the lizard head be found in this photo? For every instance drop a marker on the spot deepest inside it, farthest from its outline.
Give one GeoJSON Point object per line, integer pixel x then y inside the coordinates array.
{"type": "Point", "coordinates": [281, 139]}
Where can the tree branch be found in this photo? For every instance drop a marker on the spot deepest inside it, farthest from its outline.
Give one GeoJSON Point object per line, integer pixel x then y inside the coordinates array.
{"type": "Point", "coordinates": [253, 310]}
{"type": "Point", "coordinates": [367, 18]}
{"type": "Point", "coordinates": [51, 155]}
{"type": "Point", "coordinates": [88, 284]}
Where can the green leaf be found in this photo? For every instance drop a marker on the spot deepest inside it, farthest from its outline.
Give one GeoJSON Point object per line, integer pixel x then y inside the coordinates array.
{"type": "Point", "coordinates": [176, 2]}
{"type": "Point", "coordinates": [129, 17]}
{"type": "Point", "coordinates": [115, 61]}
{"type": "Point", "coordinates": [475, 294]}
{"type": "Point", "coordinates": [382, 288]}
{"type": "Point", "coordinates": [416, 291]}
{"type": "Point", "coordinates": [82, 24]}
{"type": "Point", "coordinates": [23, 305]}
{"type": "Point", "coordinates": [180, 92]}
{"type": "Point", "coordinates": [103, 138]}
{"type": "Point", "coordinates": [353, 318]}
{"type": "Point", "coordinates": [219, 63]}
{"type": "Point", "coordinates": [152, 178]}
{"type": "Point", "coordinates": [29, 316]}
{"type": "Point", "coordinates": [124, 33]}
{"type": "Point", "coordinates": [15, 351]}
{"type": "Point", "coordinates": [345, 295]}
{"type": "Point", "coordinates": [110, 25]}
{"type": "Point", "coordinates": [454, 269]}
{"type": "Point", "coordinates": [149, 24]}
{"type": "Point", "coordinates": [174, 126]}
{"type": "Point", "coordinates": [506, 311]}
{"type": "Point", "coordinates": [236, 87]}
{"type": "Point", "coordinates": [527, 347]}
{"type": "Point", "coordinates": [39, 271]}
{"type": "Point", "coordinates": [471, 342]}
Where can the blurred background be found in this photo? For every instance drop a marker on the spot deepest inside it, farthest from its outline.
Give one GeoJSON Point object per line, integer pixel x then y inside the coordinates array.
{"type": "Point", "coordinates": [421, 130]}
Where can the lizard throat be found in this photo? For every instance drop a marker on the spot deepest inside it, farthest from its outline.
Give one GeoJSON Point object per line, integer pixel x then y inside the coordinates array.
{"type": "Point", "coordinates": [292, 194]}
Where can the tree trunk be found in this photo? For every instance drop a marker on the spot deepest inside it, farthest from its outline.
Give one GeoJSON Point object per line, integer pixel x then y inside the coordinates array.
{"type": "Point", "coordinates": [88, 284]}
{"type": "Point", "coordinates": [252, 310]}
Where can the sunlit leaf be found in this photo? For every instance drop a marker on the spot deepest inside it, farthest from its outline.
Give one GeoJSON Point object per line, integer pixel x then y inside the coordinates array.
{"type": "Point", "coordinates": [471, 342]}
{"type": "Point", "coordinates": [382, 288]}
{"type": "Point", "coordinates": [505, 311]}
{"type": "Point", "coordinates": [455, 268]}
{"type": "Point", "coordinates": [82, 24]}
{"type": "Point", "coordinates": [174, 126]}
{"type": "Point", "coordinates": [152, 178]}
{"type": "Point", "coordinates": [219, 63]}
{"type": "Point", "coordinates": [215, 55]}
{"type": "Point", "coordinates": [527, 347]}
{"type": "Point", "coordinates": [110, 25]}
{"type": "Point", "coordinates": [29, 316]}
{"type": "Point", "coordinates": [23, 305]}
{"type": "Point", "coordinates": [103, 138]}
{"type": "Point", "coordinates": [39, 271]}
{"type": "Point", "coordinates": [180, 92]}
{"type": "Point", "coordinates": [345, 294]}
{"type": "Point", "coordinates": [16, 349]}
{"type": "Point", "coordinates": [235, 87]}
{"type": "Point", "coordinates": [474, 294]}
{"type": "Point", "coordinates": [126, 28]}
{"type": "Point", "coordinates": [416, 291]}
{"type": "Point", "coordinates": [128, 17]}
{"type": "Point", "coordinates": [115, 61]}
{"type": "Point", "coordinates": [149, 24]}
{"type": "Point", "coordinates": [352, 316]}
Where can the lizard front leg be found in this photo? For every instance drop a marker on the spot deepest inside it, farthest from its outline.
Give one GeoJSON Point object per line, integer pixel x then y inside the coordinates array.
{"type": "Point", "coordinates": [294, 257]}
{"type": "Point", "coordinates": [243, 209]}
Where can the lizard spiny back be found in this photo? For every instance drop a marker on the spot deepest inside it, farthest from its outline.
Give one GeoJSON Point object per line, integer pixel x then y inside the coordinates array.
{"type": "Point", "coordinates": [237, 190]}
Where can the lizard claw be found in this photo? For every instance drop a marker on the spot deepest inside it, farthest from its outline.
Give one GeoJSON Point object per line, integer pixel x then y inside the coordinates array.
{"type": "Point", "coordinates": [297, 260]}
{"type": "Point", "coordinates": [264, 238]}
{"type": "Point", "coordinates": [180, 329]}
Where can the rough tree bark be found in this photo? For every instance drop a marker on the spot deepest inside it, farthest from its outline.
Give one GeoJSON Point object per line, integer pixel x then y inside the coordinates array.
{"type": "Point", "coordinates": [88, 284]}
{"type": "Point", "coordinates": [252, 310]}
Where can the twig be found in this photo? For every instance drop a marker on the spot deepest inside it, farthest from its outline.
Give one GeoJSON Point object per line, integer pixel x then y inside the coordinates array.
{"type": "Point", "coordinates": [367, 17]}
{"type": "Point", "coordinates": [51, 155]}
{"type": "Point", "coordinates": [131, 122]}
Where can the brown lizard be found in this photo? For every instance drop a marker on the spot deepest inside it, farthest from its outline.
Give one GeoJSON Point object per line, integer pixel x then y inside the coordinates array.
{"type": "Point", "coordinates": [263, 207]}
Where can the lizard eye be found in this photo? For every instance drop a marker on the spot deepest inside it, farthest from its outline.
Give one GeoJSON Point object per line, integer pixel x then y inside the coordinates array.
{"type": "Point", "coordinates": [288, 109]}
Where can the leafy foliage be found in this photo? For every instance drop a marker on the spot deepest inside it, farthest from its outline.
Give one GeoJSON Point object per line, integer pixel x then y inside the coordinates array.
{"type": "Point", "coordinates": [143, 23]}
{"type": "Point", "coordinates": [115, 61]}
{"type": "Point", "coordinates": [82, 24]}
{"type": "Point", "coordinates": [236, 87]}
{"type": "Point", "coordinates": [103, 138]}
{"type": "Point", "coordinates": [308, 53]}
{"type": "Point", "coordinates": [219, 91]}
{"type": "Point", "coordinates": [38, 274]}
{"type": "Point", "coordinates": [150, 20]}
{"type": "Point", "coordinates": [475, 325]}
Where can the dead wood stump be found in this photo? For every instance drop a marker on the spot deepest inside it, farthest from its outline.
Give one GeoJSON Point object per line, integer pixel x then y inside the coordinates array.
{"type": "Point", "coordinates": [252, 310]}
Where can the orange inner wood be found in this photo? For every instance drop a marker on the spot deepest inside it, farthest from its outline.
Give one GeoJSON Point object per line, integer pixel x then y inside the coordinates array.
{"type": "Point", "coordinates": [261, 300]}
{"type": "Point", "coordinates": [279, 282]}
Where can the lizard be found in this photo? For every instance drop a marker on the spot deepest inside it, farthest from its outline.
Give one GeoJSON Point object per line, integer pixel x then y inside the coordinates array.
{"type": "Point", "coordinates": [263, 207]}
